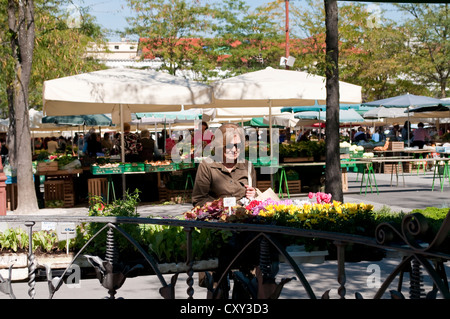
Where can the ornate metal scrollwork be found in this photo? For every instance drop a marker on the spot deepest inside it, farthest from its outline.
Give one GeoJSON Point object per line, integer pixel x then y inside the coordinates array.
{"type": "Point", "coordinates": [411, 238]}
{"type": "Point", "coordinates": [110, 272]}
{"type": "Point", "coordinates": [422, 254]}
{"type": "Point", "coordinates": [31, 261]}
{"type": "Point", "coordinates": [5, 284]}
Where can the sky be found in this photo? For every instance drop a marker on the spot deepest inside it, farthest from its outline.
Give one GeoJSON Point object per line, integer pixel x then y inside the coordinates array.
{"type": "Point", "coordinates": [111, 14]}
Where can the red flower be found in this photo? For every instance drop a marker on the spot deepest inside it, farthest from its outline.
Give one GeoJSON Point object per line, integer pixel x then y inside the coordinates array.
{"type": "Point", "coordinates": [253, 204]}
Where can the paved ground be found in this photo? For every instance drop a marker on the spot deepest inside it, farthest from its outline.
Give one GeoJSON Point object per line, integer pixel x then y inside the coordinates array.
{"type": "Point", "coordinates": [416, 193]}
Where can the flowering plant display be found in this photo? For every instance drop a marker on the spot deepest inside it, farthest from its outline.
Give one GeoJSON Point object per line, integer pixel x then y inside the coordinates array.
{"type": "Point", "coordinates": [323, 214]}
{"type": "Point", "coordinates": [216, 211]}
{"type": "Point", "coordinates": [320, 214]}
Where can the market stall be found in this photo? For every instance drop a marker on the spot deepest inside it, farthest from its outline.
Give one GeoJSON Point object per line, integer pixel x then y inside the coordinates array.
{"type": "Point", "coordinates": [122, 92]}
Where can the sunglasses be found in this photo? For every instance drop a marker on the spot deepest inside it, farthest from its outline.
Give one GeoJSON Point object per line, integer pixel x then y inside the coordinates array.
{"type": "Point", "coordinates": [230, 146]}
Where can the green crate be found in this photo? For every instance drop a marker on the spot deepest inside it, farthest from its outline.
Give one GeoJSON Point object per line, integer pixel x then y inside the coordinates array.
{"type": "Point", "coordinates": [183, 165]}
{"type": "Point", "coordinates": [134, 167]}
{"type": "Point", "coordinates": [161, 168]}
{"type": "Point", "coordinates": [167, 168]}
{"type": "Point", "coordinates": [357, 154]}
{"type": "Point", "coordinates": [150, 168]}
{"type": "Point", "coordinates": [98, 170]}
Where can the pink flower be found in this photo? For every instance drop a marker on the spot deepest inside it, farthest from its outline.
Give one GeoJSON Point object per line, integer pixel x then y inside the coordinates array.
{"type": "Point", "coordinates": [326, 198]}
{"type": "Point", "coordinates": [321, 197]}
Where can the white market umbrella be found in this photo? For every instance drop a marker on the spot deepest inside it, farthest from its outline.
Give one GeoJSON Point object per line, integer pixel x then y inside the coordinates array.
{"type": "Point", "coordinates": [285, 119]}
{"type": "Point", "coordinates": [345, 116]}
{"type": "Point", "coordinates": [384, 112]}
{"type": "Point", "coordinates": [406, 101]}
{"type": "Point", "coordinates": [100, 92]}
{"type": "Point", "coordinates": [277, 87]}
{"type": "Point", "coordinates": [233, 112]}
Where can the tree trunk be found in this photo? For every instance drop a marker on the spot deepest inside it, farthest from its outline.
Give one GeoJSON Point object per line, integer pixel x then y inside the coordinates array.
{"type": "Point", "coordinates": [22, 34]}
{"type": "Point", "coordinates": [333, 177]}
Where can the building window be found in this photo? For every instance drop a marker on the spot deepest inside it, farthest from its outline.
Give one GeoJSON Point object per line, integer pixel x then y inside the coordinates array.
{"type": "Point", "coordinates": [116, 47]}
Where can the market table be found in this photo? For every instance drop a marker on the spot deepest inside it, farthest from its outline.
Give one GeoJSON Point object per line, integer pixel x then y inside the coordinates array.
{"type": "Point", "coordinates": [419, 153]}
{"type": "Point", "coordinates": [145, 168]}
{"type": "Point", "coordinates": [345, 164]}
{"type": "Point", "coordinates": [437, 172]}
{"type": "Point", "coordinates": [381, 168]}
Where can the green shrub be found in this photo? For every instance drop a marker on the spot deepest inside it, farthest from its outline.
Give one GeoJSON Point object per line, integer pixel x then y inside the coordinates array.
{"type": "Point", "coordinates": [125, 207]}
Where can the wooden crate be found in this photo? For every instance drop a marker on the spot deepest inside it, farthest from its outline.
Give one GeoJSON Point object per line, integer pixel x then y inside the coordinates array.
{"type": "Point", "coordinates": [54, 190]}
{"type": "Point", "coordinates": [69, 194]}
{"type": "Point", "coordinates": [396, 146]}
{"type": "Point", "coordinates": [163, 194]}
{"type": "Point", "coordinates": [97, 186]}
{"type": "Point", "coordinates": [392, 167]}
{"type": "Point", "coordinates": [263, 185]}
{"type": "Point", "coordinates": [295, 187]}
{"type": "Point", "coordinates": [47, 166]}
{"type": "Point", "coordinates": [407, 167]}
{"type": "Point", "coordinates": [60, 189]}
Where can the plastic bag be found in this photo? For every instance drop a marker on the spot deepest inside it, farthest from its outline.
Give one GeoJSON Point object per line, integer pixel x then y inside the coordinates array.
{"type": "Point", "coordinates": [72, 165]}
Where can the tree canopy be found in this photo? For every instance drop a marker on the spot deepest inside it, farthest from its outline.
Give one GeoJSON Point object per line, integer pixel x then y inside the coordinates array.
{"type": "Point", "coordinates": [384, 56]}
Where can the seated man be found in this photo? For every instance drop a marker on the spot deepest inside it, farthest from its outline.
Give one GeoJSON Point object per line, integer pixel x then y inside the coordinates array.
{"type": "Point", "coordinates": [360, 135]}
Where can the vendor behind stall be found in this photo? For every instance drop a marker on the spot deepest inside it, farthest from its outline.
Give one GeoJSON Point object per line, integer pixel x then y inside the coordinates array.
{"type": "Point", "coordinates": [132, 144]}
{"type": "Point", "coordinates": [227, 177]}
{"type": "Point", "coordinates": [148, 147]}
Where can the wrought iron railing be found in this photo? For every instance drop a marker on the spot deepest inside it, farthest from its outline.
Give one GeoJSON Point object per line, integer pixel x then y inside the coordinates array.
{"type": "Point", "coordinates": [418, 256]}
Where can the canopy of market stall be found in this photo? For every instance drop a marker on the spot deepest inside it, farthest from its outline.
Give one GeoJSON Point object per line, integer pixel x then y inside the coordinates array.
{"type": "Point", "coordinates": [383, 112]}
{"type": "Point", "coordinates": [278, 87]}
{"type": "Point", "coordinates": [78, 120]}
{"type": "Point", "coordinates": [103, 91]}
{"type": "Point", "coordinates": [183, 116]}
{"type": "Point", "coordinates": [285, 119]}
{"type": "Point", "coordinates": [408, 101]}
{"type": "Point", "coordinates": [318, 107]}
{"type": "Point", "coordinates": [259, 122]}
{"type": "Point", "coordinates": [345, 116]}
